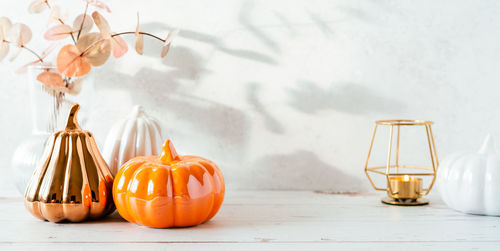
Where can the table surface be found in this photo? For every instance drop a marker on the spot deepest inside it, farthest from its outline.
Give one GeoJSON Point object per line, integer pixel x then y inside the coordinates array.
{"type": "Point", "coordinates": [267, 220]}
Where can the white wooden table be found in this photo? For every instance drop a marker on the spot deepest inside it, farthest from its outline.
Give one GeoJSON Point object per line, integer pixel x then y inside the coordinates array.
{"type": "Point", "coordinates": [265, 220]}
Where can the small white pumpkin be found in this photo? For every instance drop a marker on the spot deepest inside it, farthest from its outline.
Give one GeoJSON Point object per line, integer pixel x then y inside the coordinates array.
{"type": "Point", "coordinates": [136, 135]}
{"type": "Point", "coordinates": [470, 182]}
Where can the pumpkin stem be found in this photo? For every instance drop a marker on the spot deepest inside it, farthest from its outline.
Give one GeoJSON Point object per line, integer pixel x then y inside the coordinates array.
{"type": "Point", "coordinates": [169, 154]}
{"type": "Point", "coordinates": [137, 111]}
{"type": "Point", "coordinates": [488, 146]}
{"type": "Point", "coordinates": [72, 123]}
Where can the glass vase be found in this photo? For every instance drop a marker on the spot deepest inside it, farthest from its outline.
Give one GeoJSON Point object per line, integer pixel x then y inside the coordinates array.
{"type": "Point", "coordinates": [49, 110]}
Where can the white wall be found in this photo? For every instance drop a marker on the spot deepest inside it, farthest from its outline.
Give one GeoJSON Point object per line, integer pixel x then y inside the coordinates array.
{"type": "Point", "coordinates": [283, 94]}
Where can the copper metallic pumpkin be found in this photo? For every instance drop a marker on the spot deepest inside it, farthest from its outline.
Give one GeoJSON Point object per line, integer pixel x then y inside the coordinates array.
{"type": "Point", "coordinates": [168, 190]}
{"type": "Point", "coordinates": [72, 182]}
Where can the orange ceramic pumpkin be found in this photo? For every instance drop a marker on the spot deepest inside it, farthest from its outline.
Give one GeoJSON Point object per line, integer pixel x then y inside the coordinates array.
{"type": "Point", "coordinates": [168, 190]}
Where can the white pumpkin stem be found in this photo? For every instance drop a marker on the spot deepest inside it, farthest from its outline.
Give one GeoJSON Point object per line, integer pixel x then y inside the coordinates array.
{"type": "Point", "coordinates": [488, 146]}
{"type": "Point", "coordinates": [169, 153]}
{"type": "Point", "coordinates": [137, 111]}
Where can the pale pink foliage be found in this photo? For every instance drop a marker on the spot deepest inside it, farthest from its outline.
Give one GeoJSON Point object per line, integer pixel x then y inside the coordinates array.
{"type": "Point", "coordinates": [44, 54]}
{"type": "Point", "coordinates": [98, 4]}
{"type": "Point", "coordinates": [5, 26]}
{"type": "Point", "coordinates": [118, 45]}
{"type": "Point", "coordinates": [58, 32]}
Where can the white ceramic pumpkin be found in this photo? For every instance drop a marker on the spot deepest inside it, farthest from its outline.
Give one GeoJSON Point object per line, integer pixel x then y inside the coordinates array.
{"type": "Point", "coordinates": [136, 135]}
{"type": "Point", "coordinates": [470, 182]}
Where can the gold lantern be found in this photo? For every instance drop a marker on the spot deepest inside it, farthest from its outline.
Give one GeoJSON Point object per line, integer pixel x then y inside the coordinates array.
{"type": "Point", "coordinates": [404, 182]}
{"type": "Point", "coordinates": [72, 182]}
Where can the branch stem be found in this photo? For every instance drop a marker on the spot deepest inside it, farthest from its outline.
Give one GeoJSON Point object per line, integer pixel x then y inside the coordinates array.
{"type": "Point", "coordinates": [26, 48]}
{"type": "Point", "coordinates": [119, 34]}
{"type": "Point", "coordinates": [83, 21]}
{"type": "Point", "coordinates": [61, 21]}
{"type": "Point", "coordinates": [143, 33]}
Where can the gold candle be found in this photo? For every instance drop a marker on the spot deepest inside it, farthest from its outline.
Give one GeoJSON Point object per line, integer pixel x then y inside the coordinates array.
{"type": "Point", "coordinates": [404, 187]}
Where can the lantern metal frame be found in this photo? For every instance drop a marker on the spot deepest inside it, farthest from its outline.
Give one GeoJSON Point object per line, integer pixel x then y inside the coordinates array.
{"type": "Point", "coordinates": [396, 166]}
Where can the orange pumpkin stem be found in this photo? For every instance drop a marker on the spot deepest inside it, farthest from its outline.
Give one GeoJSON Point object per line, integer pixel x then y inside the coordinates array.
{"type": "Point", "coordinates": [72, 123]}
{"type": "Point", "coordinates": [169, 154]}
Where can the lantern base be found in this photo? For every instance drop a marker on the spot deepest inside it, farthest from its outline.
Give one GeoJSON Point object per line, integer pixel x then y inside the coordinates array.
{"type": "Point", "coordinates": [405, 202]}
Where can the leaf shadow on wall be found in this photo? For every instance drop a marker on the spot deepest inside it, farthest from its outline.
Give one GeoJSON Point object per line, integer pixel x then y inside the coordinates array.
{"type": "Point", "coordinates": [213, 40]}
{"type": "Point", "coordinates": [165, 91]}
{"type": "Point", "coordinates": [308, 97]}
{"type": "Point", "coordinates": [323, 26]}
{"type": "Point", "coordinates": [245, 18]}
{"type": "Point", "coordinates": [286, 23]}
{"type": "Point", "coordinates": [270, 122]}
{"type": "Point", "coordinates": [184, 64]}
{"type": "Point", "coordinates": [359, 13]}
{"type": "Point", "coordinates": [300, 170]}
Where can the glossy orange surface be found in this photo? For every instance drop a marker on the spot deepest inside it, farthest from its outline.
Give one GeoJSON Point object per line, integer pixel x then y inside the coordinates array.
{"type": "Point", "coordinates": [168, 190]}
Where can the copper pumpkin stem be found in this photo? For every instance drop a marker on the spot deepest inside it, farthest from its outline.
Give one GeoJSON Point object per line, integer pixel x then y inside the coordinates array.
{"type": "Point", "coordinates": [169, 154]}
{"type": "Point", "coordinates": [72, 123]}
